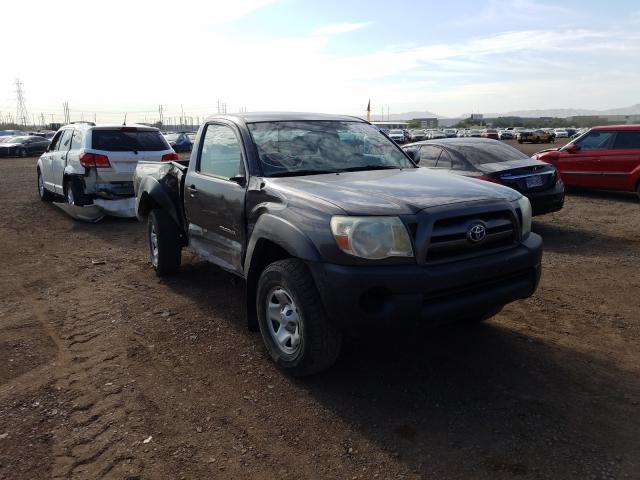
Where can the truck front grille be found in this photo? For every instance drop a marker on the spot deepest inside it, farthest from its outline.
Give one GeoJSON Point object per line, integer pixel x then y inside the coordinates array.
{"type": "Point", "coordinates": [449, 237]}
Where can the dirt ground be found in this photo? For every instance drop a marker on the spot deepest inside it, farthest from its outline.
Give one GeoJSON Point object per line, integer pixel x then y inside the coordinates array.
{"type": "Point", "coordinates": [108, 372]}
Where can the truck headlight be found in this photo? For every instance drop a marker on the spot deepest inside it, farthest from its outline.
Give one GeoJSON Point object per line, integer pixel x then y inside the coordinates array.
{"type": "Point", "coordinates": [525, 208]}
{"type": "Point", "coordinates": [372, 237]}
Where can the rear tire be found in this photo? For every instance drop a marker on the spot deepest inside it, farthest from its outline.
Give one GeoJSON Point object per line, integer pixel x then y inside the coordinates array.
{"type": "Point", "coordinates": [163, 238]}
{"type": "Point", "coordinates": [74, 192]}
{"type": "Point", "coordinates": [294, 325]}
{"type": "Point", "coordinates": [44, 194]}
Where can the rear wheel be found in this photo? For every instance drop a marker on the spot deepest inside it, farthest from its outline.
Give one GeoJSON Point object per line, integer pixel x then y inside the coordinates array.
{"type": "Point", "coordinates": [74, 192]}
{"type": "Point", "coordinates": [164, 243]}
{"type": "Point", "coordinates": [44, 194]}
{"type": "Point", "coordinates": [294, 325]}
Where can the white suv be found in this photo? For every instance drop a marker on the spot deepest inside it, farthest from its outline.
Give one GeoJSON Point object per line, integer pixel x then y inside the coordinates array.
{"type": "Point", "coordinates": [88, 164]}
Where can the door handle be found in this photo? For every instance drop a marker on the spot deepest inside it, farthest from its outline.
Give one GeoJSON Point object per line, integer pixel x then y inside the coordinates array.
{"type": "Point", "coordinates": [192, 190]}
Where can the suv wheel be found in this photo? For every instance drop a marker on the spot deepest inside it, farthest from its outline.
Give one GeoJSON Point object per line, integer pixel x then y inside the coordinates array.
{"type": "Point", "coordinates": [164, 243]}
{"type": "Point", "coordinates": [44, 194]}
{"type": "Point", "coordinates": [292, 320]}
{"type": "Point", "coordinates": [74, 192]}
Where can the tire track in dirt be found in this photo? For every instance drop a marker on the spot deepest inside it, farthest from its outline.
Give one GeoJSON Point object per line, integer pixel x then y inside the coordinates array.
{"type": "Point", "coordinates": [95, 441]}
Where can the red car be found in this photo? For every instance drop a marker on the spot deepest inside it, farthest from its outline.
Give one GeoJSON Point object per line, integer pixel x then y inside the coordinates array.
{"type": "Point", "coordinates": [490, 133]}
{"type": "Point", "coordinates": [603, 157]}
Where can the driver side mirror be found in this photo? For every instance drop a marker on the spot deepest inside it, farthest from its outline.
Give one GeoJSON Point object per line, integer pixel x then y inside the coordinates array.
{"type": "Point", "coordinates": [571, 148]}
{"type": "Point", "coordinates": [413, 155]}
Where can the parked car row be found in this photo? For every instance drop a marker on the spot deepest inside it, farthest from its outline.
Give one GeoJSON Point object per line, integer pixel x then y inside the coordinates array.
{"type": "Point", "coordinates": [22, 145]}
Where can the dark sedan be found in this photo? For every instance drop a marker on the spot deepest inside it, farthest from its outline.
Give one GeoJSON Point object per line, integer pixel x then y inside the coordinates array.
{"type": "Point", "coordinates": [496, 162]}
{"type": "Point", "coordinates": [23, 146]}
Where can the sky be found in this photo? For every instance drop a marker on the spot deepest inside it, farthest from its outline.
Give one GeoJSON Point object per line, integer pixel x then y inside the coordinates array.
{"type": "Point", "coordinates": [450, 58]}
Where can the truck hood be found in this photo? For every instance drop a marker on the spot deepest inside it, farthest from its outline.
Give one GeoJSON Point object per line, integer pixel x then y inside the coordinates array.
{"type": "Point", "coordinates": [391, 192]}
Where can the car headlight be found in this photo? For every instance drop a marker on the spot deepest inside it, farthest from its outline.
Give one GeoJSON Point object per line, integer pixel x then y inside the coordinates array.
{"type": "Point", "coordinates": [525, 208]}
{"type": "Point", "coordinates": [372, 237]}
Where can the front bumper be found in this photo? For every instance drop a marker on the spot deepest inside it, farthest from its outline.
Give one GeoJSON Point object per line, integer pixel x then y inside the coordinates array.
{"type": "Point", "coordinates": [357, 296]}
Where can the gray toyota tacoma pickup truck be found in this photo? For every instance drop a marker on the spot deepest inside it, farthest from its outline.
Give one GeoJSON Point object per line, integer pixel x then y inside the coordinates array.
{"type": "Point", "coordinates": [334, 227]}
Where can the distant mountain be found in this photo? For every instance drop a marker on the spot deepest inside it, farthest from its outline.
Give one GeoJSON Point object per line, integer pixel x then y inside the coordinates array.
{"type": "Point", "coordinates": [549, 112]}
{"type": "Point", "coordinates": [409, 115]}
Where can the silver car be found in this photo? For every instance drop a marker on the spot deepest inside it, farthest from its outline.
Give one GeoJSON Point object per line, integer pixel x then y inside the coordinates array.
{"type": "Point", "coordinates": [88, 164]}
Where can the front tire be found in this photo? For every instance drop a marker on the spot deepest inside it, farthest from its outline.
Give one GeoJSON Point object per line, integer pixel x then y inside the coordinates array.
{"type": "Point", "coordinates": [164, 243]}
{"type": "Point", "coordinates": [294, 325]}
{"type": "Point", "coordinates": [44, 194]}
{"type": "Point", "coordinates": [21, 152]}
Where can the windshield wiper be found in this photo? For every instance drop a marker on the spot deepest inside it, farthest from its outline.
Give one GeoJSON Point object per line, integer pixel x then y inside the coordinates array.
{"type": "Point", "coordinates": [370, 167]}
{"type": "Point", "coordinates": [295, 173]}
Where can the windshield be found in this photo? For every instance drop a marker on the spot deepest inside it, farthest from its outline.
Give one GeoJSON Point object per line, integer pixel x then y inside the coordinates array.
{"type": "Point", "coordinates": [488, 153]}
{"type": "Point", "coordinates": [16, 139]}
{"type": "Point", "coordinates": [313, 147]}
{"type": "Point", "coordinates": [395, 132]}
{"type": "Point", "coordinates": [171, 137]}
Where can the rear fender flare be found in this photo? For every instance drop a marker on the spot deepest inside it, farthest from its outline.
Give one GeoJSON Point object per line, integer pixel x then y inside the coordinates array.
{"type": "Point", "coordinates": [154, 195]}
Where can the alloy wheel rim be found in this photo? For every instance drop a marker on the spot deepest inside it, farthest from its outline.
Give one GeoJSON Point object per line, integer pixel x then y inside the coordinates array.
{"type": "Point", "coordinates": [153, 245]}
{"type": "Point", "coordinates": [70, 199]}
{"type": "Point", "coordinates": [40, 184]}
{"type": "Point", "coordinates": [283, 320]}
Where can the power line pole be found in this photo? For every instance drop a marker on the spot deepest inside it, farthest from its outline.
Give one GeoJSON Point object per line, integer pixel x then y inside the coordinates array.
{"type": "Point", "coordinates": [22, 116]}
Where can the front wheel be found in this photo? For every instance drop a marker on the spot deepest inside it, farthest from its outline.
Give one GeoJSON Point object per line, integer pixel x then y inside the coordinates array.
{"type": "Point", "coordinates": [164, 243]}
{"type": "Point", "coordinates": [292, 320]}
{"type": "Point", "coordinates": [44, 194]}
{"type": "Point", "coordinates": [22, 152]}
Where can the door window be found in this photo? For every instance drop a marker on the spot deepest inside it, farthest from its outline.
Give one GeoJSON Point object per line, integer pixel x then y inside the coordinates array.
{"type": "Point", "coordinates": [55, 141]}
{"type": "Point", "coordinates": [65, 141]}
{"type": "Point", "coordinates": [220, 155]}
{"type": "Point", "coordinates": [76, 140]}
{"type": "Point", "coordinates": [429, 156]}
{"type": "Point", "coordinates": [444, 161]}
{"type": "Point", "coordinates": [595, 140]}
{"type": "Point", "coordinates": [627, 140]}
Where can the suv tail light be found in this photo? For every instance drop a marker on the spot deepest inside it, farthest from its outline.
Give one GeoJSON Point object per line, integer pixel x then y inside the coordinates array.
{"type": "Point", "coordinates": [90, 160]}
{"type": "Point", "coordinates": [169, 157]}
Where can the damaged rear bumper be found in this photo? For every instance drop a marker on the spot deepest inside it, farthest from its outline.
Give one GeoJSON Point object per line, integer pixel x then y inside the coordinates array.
{"type": "Point", "coordinates": [124, 208]}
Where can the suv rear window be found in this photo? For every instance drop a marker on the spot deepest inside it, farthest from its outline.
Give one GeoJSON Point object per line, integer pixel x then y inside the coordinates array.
{"type": "Point", "coordinates": [126, 140]}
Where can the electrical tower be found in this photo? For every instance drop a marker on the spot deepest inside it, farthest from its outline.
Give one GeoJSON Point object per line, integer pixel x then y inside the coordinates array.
{"type": "Point", "coordinates": [22, 116]}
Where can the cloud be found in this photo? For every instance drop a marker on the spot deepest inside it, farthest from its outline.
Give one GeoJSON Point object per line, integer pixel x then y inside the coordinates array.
{"type": "Point", "coordinates": [340, 28]}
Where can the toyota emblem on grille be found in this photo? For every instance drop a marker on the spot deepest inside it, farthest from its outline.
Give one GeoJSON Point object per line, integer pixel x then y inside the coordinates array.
{"type": "Point", "coordinates": [476, 232]}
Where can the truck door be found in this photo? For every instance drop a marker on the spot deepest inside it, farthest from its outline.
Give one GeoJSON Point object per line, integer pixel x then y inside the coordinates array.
{"type": "Point", "coordinates": [215, 189]}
